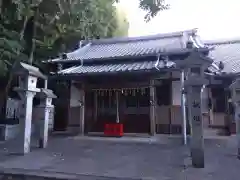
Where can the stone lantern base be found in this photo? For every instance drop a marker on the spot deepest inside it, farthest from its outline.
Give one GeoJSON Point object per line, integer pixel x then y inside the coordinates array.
{"type": "Point", "coordinates": [9, 131]}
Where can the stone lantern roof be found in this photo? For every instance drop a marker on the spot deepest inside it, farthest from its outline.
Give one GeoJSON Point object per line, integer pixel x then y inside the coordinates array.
{"type": "Point", "coordinates": [23, 69]}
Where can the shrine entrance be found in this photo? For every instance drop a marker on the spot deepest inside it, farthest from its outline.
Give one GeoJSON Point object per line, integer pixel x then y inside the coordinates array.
{"type": "Point", "coordinates": [131, 106]}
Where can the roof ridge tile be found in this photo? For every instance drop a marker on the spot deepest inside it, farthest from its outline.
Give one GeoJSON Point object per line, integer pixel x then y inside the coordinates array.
{"type": "Point", "coordinates": [141, 38]}
{"type": "Point", "coordinates": [222, 41]}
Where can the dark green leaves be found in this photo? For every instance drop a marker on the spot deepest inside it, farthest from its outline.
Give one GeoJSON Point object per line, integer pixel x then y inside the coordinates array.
{"type": "Point", "coordinates": [61, 24]}
{"type": "Point", "coordinates": [152, 7]}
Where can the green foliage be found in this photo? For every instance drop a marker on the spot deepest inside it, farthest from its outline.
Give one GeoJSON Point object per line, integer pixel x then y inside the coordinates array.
{"type": "Point", "coordinates": [152, 7]}
{"type": "Point", "coordinates": [37, 29]}
{"type": "Point", "coordinates": [59, 25]}
{"type": "Point", "coordinates": [81, 20]}
{"type": "Point", "coordinates": [10, 47]}
{"type": "Point", "coordinates": [122, 23]}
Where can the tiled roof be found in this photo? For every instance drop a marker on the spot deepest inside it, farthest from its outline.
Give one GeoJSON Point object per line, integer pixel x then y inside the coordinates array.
{"type": "Point", "coordinates": [120, 67]}
{"type": "Point", "coordinates": [227, 51]}
{"type": "Point", "coordinates": [116, 48]}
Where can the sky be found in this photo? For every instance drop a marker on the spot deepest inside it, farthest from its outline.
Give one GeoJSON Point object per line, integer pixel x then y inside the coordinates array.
{"type": "Point", "coordinates": [214, 19]}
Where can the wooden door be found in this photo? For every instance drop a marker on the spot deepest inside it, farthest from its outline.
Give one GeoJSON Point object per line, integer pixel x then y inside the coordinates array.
{"type": "Point", "coordinates": [135, 111]}
{"type": "Point", "coordinates": [61, 112]}
{"type": "Point", "coordinates": [104, 110]}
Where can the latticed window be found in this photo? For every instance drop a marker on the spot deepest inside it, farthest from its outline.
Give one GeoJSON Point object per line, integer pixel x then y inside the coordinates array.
{"type": "Point", "coordinates": [137, 97]}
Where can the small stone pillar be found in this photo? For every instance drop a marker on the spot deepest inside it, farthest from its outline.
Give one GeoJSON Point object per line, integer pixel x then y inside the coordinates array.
{"type": "Point", "coordinates": [235, 88]}
{"type": "Point", "coordinates": [28, 76]}
{"type": "Point", "coordinates": [195, 65]}
{"type": "Point", "coordinates": [46, 96]}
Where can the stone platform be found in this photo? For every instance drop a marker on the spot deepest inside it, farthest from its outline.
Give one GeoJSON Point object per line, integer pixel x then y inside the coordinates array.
{"type": "Point", "coordinates": [91, 158]}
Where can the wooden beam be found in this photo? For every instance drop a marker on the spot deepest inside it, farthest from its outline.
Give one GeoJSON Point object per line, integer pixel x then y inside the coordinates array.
{"type": "Point", "coordinates": [82, 111]}
{"type": "Point", "coordinates": [95, 106]}
{"type": "Point", "coordinates": [117, 85]}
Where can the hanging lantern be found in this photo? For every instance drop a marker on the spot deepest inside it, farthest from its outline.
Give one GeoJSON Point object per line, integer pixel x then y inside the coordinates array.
{"type": "Point", "coordinates": [142, 91]}
{"type": "Point", "coordinates": [138, 91]}
{"type": "Point", "coordinates": [124, 92]}
{"type": "Point", "coordinates": [129, 92]}
{"type": "Point", "coordinates": [101, 92]}
{"type": "Point", "coordinates": [134, 92]}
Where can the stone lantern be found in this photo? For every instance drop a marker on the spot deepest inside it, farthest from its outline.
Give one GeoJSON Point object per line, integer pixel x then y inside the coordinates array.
{"type": "Point", "coordinates": [27, 89]}
{"type": "Point", "coordinates": [46, 96]}
{"type": "Point", "coordinates": [195, 65]}
{"type": "Point", "coordinates": [235, 89]}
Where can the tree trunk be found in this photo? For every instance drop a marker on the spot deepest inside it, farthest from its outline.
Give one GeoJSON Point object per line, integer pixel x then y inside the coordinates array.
{"type": "Point", "coordinates": [30, 60]}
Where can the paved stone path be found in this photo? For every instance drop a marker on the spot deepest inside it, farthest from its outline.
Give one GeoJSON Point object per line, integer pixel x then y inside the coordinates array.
{"type": "Point", "coordinates": [82, 158]}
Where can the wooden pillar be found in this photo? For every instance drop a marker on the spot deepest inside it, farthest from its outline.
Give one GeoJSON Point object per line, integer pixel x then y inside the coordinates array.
{"type": "Point", "coordinates": [153, 103]}
{"type": "Point", "coordinates": [211, 113]}
{"type": "Point", "coordinates": [95, 106]}
{"type": "Point", "coordinates": [117, 107]}
{"type": "Point", "coordinates": [82, 111]}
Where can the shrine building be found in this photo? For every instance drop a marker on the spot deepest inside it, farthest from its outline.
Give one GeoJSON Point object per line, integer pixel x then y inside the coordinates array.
{"type": "Point", "coordinates": [134, 81]}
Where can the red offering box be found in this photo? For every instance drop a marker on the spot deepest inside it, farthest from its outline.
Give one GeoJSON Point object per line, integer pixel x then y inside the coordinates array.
{"type": "Point", "coordinates": [115, 129]}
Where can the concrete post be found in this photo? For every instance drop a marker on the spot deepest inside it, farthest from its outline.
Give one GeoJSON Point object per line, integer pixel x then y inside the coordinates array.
{"type": "Point", "coordinates": [43, 133]}
{"type": "Point", "coordinates": [197, 144]}
{"type": "Point", "coordinates": [235, 87]}
{"type": "Point", "coordinates": [45, 106]}
{"type": "Point", "coordinates": [194, 85]}
{"type": "Point", "coordinates": [195, 65]}
{"type": "Point", "coordinates": [28, 76]}
{"type": "Point", "coordinates": [26, 90]}
{"type": "Point", "coordinates": [25, 121]}
{"type": "Point", "coordinates": [237, 120]}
